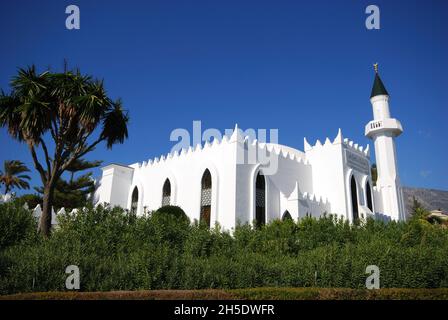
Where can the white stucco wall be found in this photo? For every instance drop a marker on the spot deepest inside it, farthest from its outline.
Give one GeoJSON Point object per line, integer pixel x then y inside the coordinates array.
{"type": "Point", "coordinates": [313, 182]}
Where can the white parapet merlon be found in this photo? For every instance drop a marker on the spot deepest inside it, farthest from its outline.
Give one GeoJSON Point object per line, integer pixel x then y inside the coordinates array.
{"type": "Point", "coordinates": [4, 198]}
{"type": "Point", "coordinates": [37, 213]}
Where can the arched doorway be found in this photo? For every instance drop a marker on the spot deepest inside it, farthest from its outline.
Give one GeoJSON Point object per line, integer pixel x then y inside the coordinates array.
{"type": "Point", "coordinates": [354, 195]}
{"type": "Point", "coordinates": [369, 196]}
{"type": "Point", "coordinates": [166, 193]}
{"type": "Point", "coordinates": [134, 201]}
{"type": "Point", "coordinates": [206, 198]}
{"type": "Point", "coordinates": [260, 200]}
{"type": "Point", "coordinates": [286, 216]}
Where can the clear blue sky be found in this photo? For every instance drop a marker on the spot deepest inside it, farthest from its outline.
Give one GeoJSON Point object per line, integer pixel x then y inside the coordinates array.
{"type": "Point", "coordinates": [302, 67]}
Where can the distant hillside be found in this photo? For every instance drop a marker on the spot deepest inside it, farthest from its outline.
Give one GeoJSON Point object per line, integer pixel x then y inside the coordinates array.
{"type": "Point", "coordinates": [431, 199]}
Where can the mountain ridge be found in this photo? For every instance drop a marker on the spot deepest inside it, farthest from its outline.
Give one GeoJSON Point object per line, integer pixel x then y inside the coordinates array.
{"type": "Point", "coordinates": [431, 199]}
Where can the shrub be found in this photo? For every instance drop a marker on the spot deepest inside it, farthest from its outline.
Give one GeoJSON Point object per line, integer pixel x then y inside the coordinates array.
{"type": "Point", "coordinates": [118, 251]}
{"type": "Point", "coordinates": [31, 200]}
{"type": "Point", "coordinates": [16, 224]}
{"type": "Point", "coordinates": [174, 211]}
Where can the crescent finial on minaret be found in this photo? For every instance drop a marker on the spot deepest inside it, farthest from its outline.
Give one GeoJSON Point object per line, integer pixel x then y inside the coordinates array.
{"type": "Point", "coordinates": [375, 67]}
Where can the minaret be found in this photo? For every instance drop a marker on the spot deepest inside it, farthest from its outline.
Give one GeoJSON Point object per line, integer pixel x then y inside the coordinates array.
{"type": "Point", "coordinates": [383, 130]}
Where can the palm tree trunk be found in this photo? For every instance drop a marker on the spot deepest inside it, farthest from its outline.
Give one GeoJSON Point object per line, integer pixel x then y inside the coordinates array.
{"type": "Point", "coordinates": [6, 189]}
{"type": "Point", "coordinates": [45, 219]}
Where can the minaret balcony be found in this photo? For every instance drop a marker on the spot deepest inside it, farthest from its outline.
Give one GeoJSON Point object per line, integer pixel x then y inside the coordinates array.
{"type": "Point", "coordinates": [376, 127]}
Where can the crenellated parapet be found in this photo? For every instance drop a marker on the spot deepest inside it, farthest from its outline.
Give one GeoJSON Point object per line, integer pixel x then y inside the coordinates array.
{"type": "Point", "coordinates": [315, 199]}
{"type": "Point", "coordinates": [302, 204]}
{"type": "Point", "coordinates": [338, 140]}
{"type": "Point", "coordinates": [238, 137]}
{"type": "Point", "coordinates": [183, 153]}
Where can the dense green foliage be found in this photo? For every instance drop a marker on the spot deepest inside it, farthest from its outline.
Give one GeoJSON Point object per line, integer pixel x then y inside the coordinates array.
{"type": "Point", "coordinates": [17, 225]}
{"type": "Point", "coordinates": [175, 211]}
{"type": "Point", "coordinates": [61, 117]}
{"type": "Point", "coordinates": [118, 251]}
{"type": "Point", "coordinates": [74, 192]}
{"type": "Point", "coordinates": [29, 199]}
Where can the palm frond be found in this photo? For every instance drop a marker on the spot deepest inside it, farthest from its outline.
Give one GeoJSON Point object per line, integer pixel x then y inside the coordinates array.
{"type": "Point", "coordinates": [115, 122]}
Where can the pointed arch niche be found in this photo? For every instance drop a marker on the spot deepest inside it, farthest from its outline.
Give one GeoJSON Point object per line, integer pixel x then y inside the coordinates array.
{"type": "Point", "coordinates": [354, 198]}
{"type": "Point", "coordinates": [260, 200]}
{"type": "Point", "coordinates": [166, 193]}
{"type": "Point", "coordinates": [369, 200]}
{"type": "Point", "coordinates": [286, 216]}
{"type": "Point", "coordinates": [206, 198]}
{"type": "Point", "coordinates": [134, 201]}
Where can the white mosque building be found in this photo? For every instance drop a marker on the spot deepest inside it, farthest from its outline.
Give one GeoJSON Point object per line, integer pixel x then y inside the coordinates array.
{"type": "Point", "coordinates": [230, 182]}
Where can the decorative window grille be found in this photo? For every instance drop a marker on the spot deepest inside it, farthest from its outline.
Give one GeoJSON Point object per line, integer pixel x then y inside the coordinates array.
{"type": "Point", "coordinates": [260, 200]}
{"type": "Point", "coordinates": [166, 194]}
{"type": "Point", "coordinates": [206, 198]}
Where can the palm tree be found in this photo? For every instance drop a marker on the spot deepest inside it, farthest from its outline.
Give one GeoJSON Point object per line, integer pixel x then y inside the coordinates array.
{"type": "Point", "coordinates": [66, 113]}
{"type": "Point", "coordinates": [12, 175]}
{"type": "Point", "coordinates": [74, 192]}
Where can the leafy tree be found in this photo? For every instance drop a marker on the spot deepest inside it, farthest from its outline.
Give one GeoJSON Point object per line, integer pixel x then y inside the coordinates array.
{"type": "Point", "coordinates": [417, 210]}
{"type": "Point", "coordinates": [81, 165]}
{"type": "Point", "coordinates": [12, 175]}
{"type": "Point", "coordinates": [74, 193]}
{"type": "Point", "coordinates": [31, 200]}
{"type": "Point", "coordinates": [65, 113]}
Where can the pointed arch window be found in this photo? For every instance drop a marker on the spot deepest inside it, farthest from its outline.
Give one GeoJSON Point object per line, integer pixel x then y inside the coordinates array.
{"type": "Point", "coordinates": [369, 196]}
{"type": "Point", "coordinates": [260, 200]}
{"type": "Point", "coordinates": [354, 196]}
{"type": "Point", "coordinates": [206, 198]}
{"type": "Point", "coordinates": [166, 193]}
{"type": "Point", "coordinates": [134, 201]}
{"type": "Point", "coordinates": [286, 216]}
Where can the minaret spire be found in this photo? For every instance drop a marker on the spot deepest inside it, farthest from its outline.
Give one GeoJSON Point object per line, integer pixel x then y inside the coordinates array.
{"type": "Point", "coordinates": [378, 88]}
{"type": "Point", "coordinates": [383, 130]}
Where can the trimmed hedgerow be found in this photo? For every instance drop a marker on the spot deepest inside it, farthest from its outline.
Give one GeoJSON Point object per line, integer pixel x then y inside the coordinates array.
{"type": "Point", "coordinates": [243, 294]}
{"type": "Point", "coordinates": [118, 251]}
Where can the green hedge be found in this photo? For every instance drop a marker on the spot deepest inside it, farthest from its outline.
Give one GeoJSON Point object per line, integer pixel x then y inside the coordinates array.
{"type": "Point", "coordinates": [339, 294]}
{"type": "Point", "coordinates": [116, 251]}
{"type": "Point", "coordinates": [16, 225]}
{"type": "Point", "coordinates": [242, 294]}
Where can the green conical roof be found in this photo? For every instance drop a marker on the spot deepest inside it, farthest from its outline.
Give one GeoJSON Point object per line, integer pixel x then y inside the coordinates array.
{"type": "Point", "coordinates": [378, 87]}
